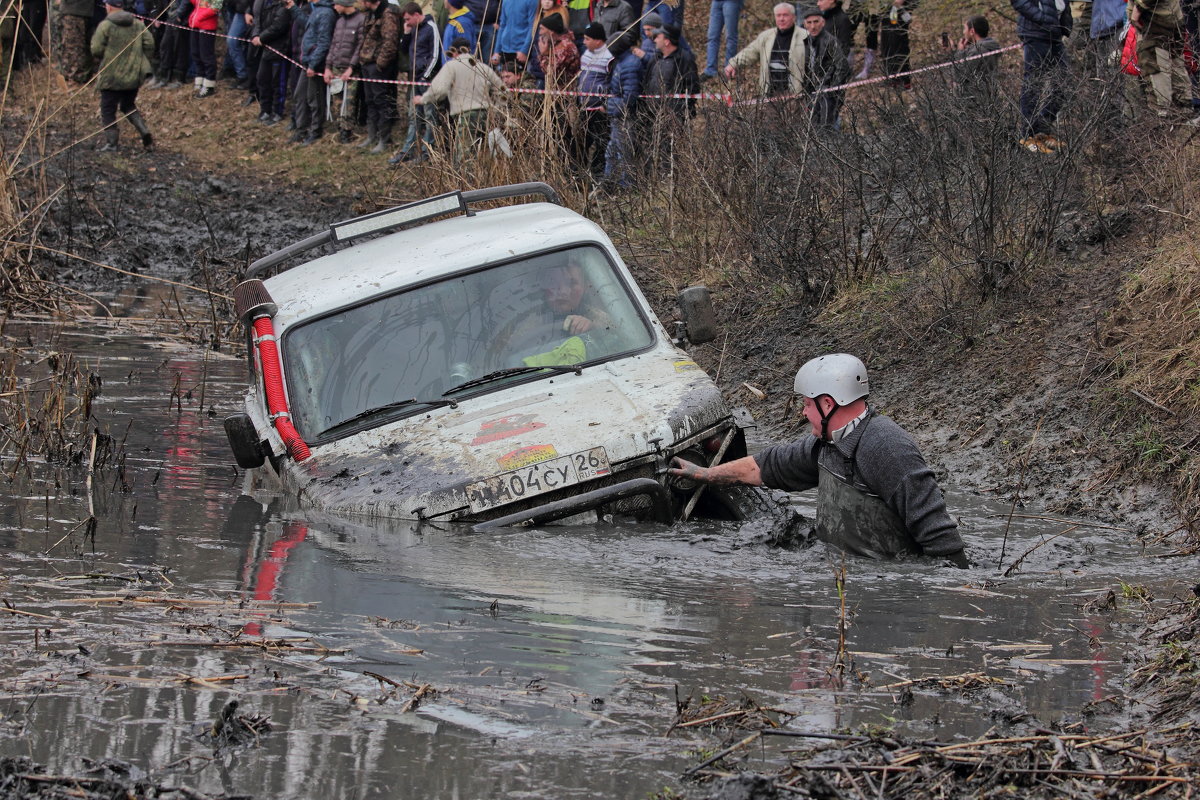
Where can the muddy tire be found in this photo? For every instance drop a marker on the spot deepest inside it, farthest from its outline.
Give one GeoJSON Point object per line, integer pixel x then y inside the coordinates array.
{"type": "Point", "coordinates": [736, 503]}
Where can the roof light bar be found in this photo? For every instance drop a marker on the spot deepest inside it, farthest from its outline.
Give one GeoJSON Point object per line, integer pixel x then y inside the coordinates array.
{"type": "Point", "coordinates": [395, 217]}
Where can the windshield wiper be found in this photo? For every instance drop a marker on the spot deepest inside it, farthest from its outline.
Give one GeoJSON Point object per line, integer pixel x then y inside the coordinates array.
{"type": "Point", "coordinates": [506, 373]}
{"type": "Point", "coordinates": [370, 412]}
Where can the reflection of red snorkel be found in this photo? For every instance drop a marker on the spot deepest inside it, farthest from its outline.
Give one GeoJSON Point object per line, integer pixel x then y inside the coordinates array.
{"type": "Point", "coordinates": [266, 580]}
{"type": "Point", "coordinates": [255, 308]}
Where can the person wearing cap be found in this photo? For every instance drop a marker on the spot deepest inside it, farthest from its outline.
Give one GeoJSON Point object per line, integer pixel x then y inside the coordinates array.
{"type": "Point", "coordinates": [619, 21]}
{"type": "Point", "coordinates": [591, 138]}
{"type": "Point", "coordinates": [668, 97]}
{"type": "Point", "coordinates": [122, 46]}
{"type": "Point", "coordinates": [472, 88]}
{"type": "Point", "coordinates": [876, 496]}
{"type": "Point", "coordinates": [379, 60]}
{"type": "Point", "coordinates": [827, 68]}
{"type": "Point", "coordinates": [780, 53]}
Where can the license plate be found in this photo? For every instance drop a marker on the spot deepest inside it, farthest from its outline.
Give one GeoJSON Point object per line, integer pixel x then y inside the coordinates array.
{"type": "Point", "coordinates": [545, 476]}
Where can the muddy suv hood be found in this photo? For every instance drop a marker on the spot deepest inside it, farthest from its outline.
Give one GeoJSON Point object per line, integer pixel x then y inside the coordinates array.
{"type": "Point", "coordinates": [419, 467]}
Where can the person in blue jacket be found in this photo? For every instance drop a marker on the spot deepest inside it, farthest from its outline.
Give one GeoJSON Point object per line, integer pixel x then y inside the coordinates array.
{"type": "Point", "coordinates": [1042, 25]}
{"type": "Point", "coordinates": [624, 85]}
{"type": "Point", "coordinates": [310, 88]}
{"type": "Point", "coordinates": [515, 37]}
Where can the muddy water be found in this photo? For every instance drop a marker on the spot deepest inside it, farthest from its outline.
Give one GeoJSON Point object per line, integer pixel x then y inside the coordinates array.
{"type": "Point", "coordinates": [556, 652]}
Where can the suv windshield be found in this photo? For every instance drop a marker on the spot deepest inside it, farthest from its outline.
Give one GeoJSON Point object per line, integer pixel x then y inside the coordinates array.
{"type": "Point", "coordinates": [556, 309]}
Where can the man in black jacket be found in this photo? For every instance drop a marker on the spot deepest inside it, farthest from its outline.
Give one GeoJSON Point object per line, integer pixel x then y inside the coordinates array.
{"type": "Point", "coordinates": [827, 67]}
{"type": "Point", "coordinates": [671, 72]}
{"type": "Point", "coordinates": [1041, 26]}
{"type": "Point", "coordinates": [423, 44]}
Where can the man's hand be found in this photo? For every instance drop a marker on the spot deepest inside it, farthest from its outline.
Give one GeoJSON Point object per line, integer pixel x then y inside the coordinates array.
{"type": "Point", "coordinates": [686, 469]}
{"type": "Point", "coordinates": [256, 42]}
{"type": "Point", "coordinates": [577, 323]}
{"type": "Point", "coordinates": [522, 58]}
{"type": "Point", "coordinates": [730, 70]}
{"type": "Point", "coordinates": [310, 73]}
{"type": "Point", "coordinates": [495, 59]}
{"type": "Point", "coordinates": [418, 99]}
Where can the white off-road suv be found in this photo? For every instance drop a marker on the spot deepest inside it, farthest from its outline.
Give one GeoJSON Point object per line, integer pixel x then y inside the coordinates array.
{"type": "Point", "coordinates": [491, 366]}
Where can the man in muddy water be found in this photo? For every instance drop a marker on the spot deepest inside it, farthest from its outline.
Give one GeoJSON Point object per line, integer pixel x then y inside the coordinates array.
{"type": "Point", "coordinates": [876, 495]}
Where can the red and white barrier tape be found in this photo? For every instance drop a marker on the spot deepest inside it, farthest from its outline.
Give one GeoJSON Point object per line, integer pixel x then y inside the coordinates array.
{"type": "Point", "coordinates": [722, 97]}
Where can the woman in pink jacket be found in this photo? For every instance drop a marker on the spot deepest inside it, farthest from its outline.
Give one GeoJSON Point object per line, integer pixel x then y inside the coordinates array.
{"type": "Point", "coordinates": [203, 25]}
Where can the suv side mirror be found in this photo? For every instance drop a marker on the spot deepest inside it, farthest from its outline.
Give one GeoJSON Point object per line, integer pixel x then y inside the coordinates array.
{"type": "Point", "coordinates": [699, 319]}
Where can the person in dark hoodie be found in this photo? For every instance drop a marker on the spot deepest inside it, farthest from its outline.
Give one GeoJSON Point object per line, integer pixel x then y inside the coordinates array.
{"type": "Point", "coordinates": [310, 88]}
{"type": "Point", "coordinates": [272, 34]}
{"type": "Point", "coordinates": [423, 44]}
{"type": "Point", "coordinates": [122, 46]}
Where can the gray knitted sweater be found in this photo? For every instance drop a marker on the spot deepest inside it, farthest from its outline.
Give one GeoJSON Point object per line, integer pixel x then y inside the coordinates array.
{"type": "Point", "coordinates": [880, 457]}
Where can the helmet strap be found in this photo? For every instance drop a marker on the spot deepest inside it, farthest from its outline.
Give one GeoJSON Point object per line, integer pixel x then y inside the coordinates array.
{"type": "Point", "coordinates": [825, 418]}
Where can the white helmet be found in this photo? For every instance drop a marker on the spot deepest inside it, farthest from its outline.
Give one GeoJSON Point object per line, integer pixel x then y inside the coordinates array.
{"type": "Point", "coordinates": [841, 376]}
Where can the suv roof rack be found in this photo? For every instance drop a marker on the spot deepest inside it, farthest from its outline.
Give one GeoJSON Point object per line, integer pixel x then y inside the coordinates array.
{"type": "Point", "coordinates": [390, 219]}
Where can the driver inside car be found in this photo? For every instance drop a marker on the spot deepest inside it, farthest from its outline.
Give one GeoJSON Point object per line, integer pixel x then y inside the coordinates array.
{"type": "Point", "coordinates": [565, 327]}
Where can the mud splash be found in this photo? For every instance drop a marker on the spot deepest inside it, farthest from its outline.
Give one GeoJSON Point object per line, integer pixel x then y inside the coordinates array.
{"type": "Point", "coordinates": [549, 662]}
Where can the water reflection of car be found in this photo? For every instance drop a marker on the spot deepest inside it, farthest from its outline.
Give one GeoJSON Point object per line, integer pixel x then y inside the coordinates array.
{"type": "Point", "coordinates": [483, 365]}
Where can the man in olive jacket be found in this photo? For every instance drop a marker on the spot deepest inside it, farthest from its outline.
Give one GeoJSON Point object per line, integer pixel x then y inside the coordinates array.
{"type": "Point", "coordinates": [122, 46]}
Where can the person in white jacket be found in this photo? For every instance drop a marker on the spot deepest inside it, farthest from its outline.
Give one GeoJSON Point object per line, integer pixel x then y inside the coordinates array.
{"type": "Point", "coordinates": [471, 87]}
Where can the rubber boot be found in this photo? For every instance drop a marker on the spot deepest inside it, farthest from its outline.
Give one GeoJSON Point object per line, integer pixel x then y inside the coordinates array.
{"type": "Point", "coordinates": [139, 124]}
{"type": "Point", "coordinates": [111, 137]}
{"type": "Point", "coordinates": [370, 137]}
{"type": "Point", "coordinates": [383, 141]}
{"type": "Point", "coordinates": [868, 61]}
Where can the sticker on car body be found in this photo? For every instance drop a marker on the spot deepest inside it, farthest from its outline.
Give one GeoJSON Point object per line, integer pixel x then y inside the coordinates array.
{"type": "Point", "coordinates": [502, 428]}
{"type": "Point", "coordinates": [539, 478]}
{"type": "Point", "coordinates": [524, 456]}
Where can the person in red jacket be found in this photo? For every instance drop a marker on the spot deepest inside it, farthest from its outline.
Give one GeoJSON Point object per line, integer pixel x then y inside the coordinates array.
{"type": "Point", "coordinates": [203, 25]}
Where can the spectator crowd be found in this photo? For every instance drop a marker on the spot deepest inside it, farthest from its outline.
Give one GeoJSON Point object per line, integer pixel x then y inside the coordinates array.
{"type": "Point", "coordinates": [403, 79]}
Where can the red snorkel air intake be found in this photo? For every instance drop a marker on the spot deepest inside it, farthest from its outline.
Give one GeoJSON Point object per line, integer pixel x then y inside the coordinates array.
{"type": "Point", "coordinates": [255, 308]}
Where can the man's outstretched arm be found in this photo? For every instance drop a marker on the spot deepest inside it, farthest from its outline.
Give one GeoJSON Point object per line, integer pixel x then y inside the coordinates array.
{"type": "Point", "coordinates": [742, 471]}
